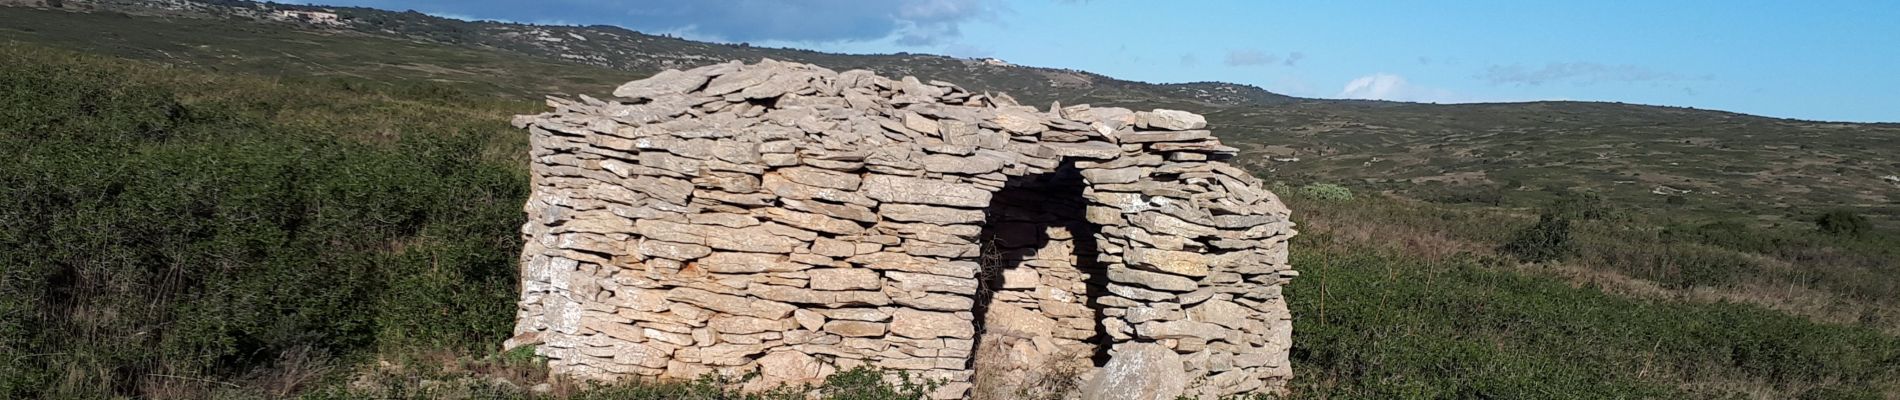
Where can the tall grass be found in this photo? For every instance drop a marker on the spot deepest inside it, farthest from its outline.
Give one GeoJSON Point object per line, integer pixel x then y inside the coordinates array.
{"type": "Point", "coordinates": [167, 233]}
{"type": "Point", "coordinates": [1376, 324]}
{"type": "Point", "coordinates": [165, 227]}
{"type": "Point", "coordinates": [1793, 268]}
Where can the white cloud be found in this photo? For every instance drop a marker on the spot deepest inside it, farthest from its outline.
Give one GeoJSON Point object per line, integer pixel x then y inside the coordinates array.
{"type": "Point", "coordinates": [1384, 86]}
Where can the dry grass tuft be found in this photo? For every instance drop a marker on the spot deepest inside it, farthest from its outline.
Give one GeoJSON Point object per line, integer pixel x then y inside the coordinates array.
{"type": "Point", "coordinates": [1004, 374]}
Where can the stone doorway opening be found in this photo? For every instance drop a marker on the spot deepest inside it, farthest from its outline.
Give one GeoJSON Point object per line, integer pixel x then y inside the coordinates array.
{"type": "Point", "coordinates": [1037, 319]}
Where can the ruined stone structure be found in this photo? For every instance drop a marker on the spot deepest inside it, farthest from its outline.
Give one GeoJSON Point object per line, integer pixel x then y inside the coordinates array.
{"type": "Point", "coordinates": [794, 221]}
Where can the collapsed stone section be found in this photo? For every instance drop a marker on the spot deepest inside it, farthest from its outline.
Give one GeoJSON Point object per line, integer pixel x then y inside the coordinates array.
{"type": "Point", "coordinates": [793, 221]}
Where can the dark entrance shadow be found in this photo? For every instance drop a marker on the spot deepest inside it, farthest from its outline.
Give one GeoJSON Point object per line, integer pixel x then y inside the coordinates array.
{"type": "Point", "coordinates": [1019, 218]}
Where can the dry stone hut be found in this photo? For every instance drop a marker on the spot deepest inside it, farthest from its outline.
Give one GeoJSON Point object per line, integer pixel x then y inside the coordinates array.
{"type": "Point", "coordinates": [794, 221]}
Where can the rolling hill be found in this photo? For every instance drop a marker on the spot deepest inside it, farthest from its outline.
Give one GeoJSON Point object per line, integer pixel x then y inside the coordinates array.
{"type": "Point", "coordinates": [202, 201]}
{"type": "Point", "coordinates": [1718, 163]}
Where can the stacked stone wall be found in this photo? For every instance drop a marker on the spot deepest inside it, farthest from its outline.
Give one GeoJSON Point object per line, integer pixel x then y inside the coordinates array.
{"type": "Point", "coordinates": [792, 221]}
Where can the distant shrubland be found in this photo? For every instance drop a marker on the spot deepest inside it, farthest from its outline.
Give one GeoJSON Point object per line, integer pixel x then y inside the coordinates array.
{"type": "Point", "coordinates": [192, 229]}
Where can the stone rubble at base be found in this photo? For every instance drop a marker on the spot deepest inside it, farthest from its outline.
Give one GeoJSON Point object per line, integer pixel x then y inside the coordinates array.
{"type": "Point", "coordinates": [793, 221]}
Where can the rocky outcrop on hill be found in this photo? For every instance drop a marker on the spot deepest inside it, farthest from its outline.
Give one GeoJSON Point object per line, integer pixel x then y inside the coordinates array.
{"type": "Point", "coordinates": [792, 221]}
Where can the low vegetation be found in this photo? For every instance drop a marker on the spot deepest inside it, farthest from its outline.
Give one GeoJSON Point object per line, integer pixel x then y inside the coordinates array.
{"type": "Point", "coordinates": [201, 230]}
{"type": "Point", "coordinates": [1798, 269]}
{"type": "Point", "coordinates": [165, 227]}
{"type": "Point", "coordinates": [1408, 307]}
{"type": "Point", "coordinates": [1381, 325]}
{"type": "Point", "coordinates": [180, 235]}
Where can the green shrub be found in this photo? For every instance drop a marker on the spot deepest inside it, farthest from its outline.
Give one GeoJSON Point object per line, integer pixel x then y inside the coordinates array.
{"type": "Point", "coordinates": [1580, 205]}
{"type": "Point", "coordinates": [1478, 195]}
{"type": "Point", "coordinates": [145, 235]}
{"type": "Point", "coordinates": [864, 383]}
{"type": "Point", "coordinates": [1843, 223]}
{"type": "Point", "coordinates": [1326, 191]}
{"type": "Point", "coordinates": [1546, 240]}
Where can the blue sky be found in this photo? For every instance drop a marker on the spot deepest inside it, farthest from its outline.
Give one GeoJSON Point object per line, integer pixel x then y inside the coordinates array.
{"type": "Point", "coordinates": [1823, 60]}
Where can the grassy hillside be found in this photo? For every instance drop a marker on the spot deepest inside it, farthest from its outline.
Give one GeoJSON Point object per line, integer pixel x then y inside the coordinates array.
{"type": "Point", "coordinates": [164, 225]}
{"type": "Point", "coordinates": [1776, 171]}
{"type": "Point", "coordinates": [278, 50]}
{"type": "Point", "coordinates": [1716, 172]}
{"type": "Point", "coordinates": [1705, 164]}
{"type": "Point", "coordinates": [221, 207]}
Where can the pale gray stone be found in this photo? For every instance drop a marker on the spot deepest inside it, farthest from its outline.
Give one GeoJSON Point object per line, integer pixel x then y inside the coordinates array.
{"type": "Point", "coordinates": [746, 263]}
{"type": "Point", "coordinates": [1092, 150]}
{"type": "Point", "coordinates": [815, 222]}
{"type": "Point", "coordinates": [1138, 293]}
{"type": "Point", "coordinates": [1179, 329]}
{"type": "Point", "coordinates": [931, 214]}
{"type": "Point", "coordinates": [736, 324]}
{"type": "Point", "coordinates": [1021, 278]}
{"type": "Point", "coordinates": [1220, 312]}
{"type": "Point", "coordinates": [857, 314]}
{"type": "Point", "coordinates": [744, 78]}
{"type": "Point", "coordinates": [924, 191]}
{"type": "Point", "coordinates": [891, 261]}
{"type": "Point", "coordinates": [668, 82]}
{"type": "Point", "coordinates": [1173, 262]}
{"type": "Point", "coordinates": [927, 325]}
{"type": "Point", "coordinates": [1138, 371]}
{"type": "Point", "coordinates": [1170, 225]}
{"type": "Point", "coordinates": [673, 251]}
{"type": "Point", "coordinates": [1019, 121]}
{"type": "Point", "coordinates": [970, 165]}
{"type": "Point", "coordinates": [915, 282]}
{"type": "Point", "coordinates": [1151, 280]}
{"type": "Point", "coordinates": [778, 85]}
{"type": "Point", "coordinates": [937, 302]}
{"type": "Point", "coordinates": [808, 319]}
{"type": "Point", "coordinates": [1164, 136]}
{"type": "Point", "coordinates": [1113, 176]}
{"type": "Point", "coordinates": [784, 187]}
{"type": "Point", "coordinates": [849, 328]}
{"type": "Point", "coordinates": [852, 212]}
{"type": "Point", "coordinates": [730, 304]}
{"type": "Point", "coordinates": [822, 297]}
{"type": "Point", "coordinates": [845, 279]}
{"type": "Point", "coordinates": [920, 123]}
{"type": "Point", "coordinates": [1174, 120]}
{"type": "Point", "coordinates": [821, 178]}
